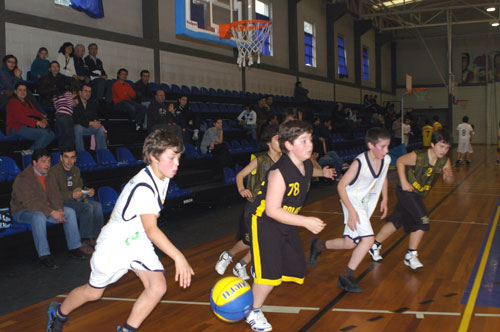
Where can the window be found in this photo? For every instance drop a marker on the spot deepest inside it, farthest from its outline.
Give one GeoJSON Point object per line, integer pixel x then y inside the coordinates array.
{"type": "Point", "coordinates": [366, 65]}
{"type": "Point", "coordinates": [263, 12]}
{"type": "Point", "coordinates": [309, 45]}
{"type": "Point", "coordinates": [66, 3]}
{"type": "Point", "coordinates": [341, 56]}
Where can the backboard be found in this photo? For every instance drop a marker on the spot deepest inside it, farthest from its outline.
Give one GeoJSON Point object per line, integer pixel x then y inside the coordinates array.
{"type": "Point", "coordinates": [200, 19]}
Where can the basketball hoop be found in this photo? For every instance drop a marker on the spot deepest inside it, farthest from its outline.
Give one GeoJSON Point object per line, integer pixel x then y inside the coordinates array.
{"type": "Point", "coordinates": [420, 94]}
{"type": "Point", "coordinates": [249, 35]}
{"type": "Point", "coordinates": [462, 103]}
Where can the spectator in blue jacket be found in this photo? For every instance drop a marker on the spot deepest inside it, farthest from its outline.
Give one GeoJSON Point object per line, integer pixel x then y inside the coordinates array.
{"type": "Point", "coordinates": [40, 66]}
{"type": "Point", "coordinates": [10, 75]}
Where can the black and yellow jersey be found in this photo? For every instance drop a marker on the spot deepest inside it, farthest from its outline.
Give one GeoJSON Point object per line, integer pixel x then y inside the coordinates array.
{"type": "Point", "coordinates": [423, 175]}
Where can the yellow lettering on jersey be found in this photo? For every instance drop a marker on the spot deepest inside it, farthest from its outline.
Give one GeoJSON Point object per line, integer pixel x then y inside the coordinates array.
{"type": "Point", "coordinates": [420, 188]}
{"type": "Point", "coordinates": [292, 209]}
{"type": "Point", "coordinates": [294, 189]}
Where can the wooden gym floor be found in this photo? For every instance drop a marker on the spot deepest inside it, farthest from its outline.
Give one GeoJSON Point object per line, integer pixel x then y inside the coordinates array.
{"type": "Point", "coordinates": [461, 250]}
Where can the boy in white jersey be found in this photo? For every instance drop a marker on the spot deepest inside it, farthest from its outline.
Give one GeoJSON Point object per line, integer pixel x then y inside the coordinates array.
{"type": "Point", "coordinates": [126, 242]}
{"type": "Point", "coordinates": [359, 190]}
{"type": "Point", "coordinates": [464, 149]}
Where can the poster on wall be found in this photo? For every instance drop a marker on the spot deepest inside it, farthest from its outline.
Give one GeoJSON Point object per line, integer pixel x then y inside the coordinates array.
{"type": "Point", "coordinates": [479, 68]}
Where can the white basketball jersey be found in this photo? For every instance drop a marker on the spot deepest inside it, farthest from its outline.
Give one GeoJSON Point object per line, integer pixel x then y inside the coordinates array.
{"type": "Point", "coordinates": [365, 189]}
{"type": "Point", "coordinates": [464, 131]}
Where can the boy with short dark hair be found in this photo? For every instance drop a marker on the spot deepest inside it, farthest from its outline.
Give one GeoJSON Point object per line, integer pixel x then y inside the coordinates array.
{"type": "Point", "coordinates": [276, 247]}
{"type": "Point", "coordinates": [126, 242]}
{"type": "Point", "coordinates": [417, 170]}
{"type": "Point", "coordinates": [256, 171]}
{"type": "Point", "coordinates": [464, 148]}
{"type": "Point", "coordinates": [359, 191]}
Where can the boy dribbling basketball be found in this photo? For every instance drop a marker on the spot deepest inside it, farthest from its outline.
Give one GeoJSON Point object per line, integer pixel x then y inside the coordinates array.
{"type": "Point", "coordinates": [126, 242]}
{"type": "Point", "coordinates": [417, 170]}
{"type": "Point", "coordinates": [276, 246]}
{"type": "Point", "coordinates": [359, 191]}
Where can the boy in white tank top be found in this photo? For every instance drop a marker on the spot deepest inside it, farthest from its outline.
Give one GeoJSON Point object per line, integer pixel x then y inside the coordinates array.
{"type": "Point", "coordinates": [359, 190]}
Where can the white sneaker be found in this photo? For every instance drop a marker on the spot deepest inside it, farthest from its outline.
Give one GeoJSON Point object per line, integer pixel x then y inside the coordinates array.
{"type": "Point", "coordinates": [224, 260]}
{"type": "Point", "coordinates": [195, 136]}
{"type": "Point", "coordinates": [375, 252]}
{"type": "Point", "coordinates": [240, 271]}
{"type": "Point", "coordinates": [411, 260]}
{"type": "Point", "coordinates": [26, 152]}
{"type": "Point", "coordinates": [257, 321]}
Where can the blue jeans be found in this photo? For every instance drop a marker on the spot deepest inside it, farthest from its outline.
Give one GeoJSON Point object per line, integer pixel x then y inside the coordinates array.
{"type": "Point", "coordinates": [332, 159]}
{"type": "Point", "coordinates": [98, 85]}
{"type": "Point", "coordinates": [42, 137]}
{"type": "Point", "coordinates": [90, 215]}
{"type": "Point", "coordinates": [136, 111]}
{"type": "Point", "coordinates": [100, 137]}
{"type": "Point", "coordinates": [253, 128]}
{"type": "Point", "coordinates": [38, 221]}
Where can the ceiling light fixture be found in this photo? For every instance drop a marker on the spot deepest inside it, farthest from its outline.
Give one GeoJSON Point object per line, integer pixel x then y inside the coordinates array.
{"type": "Point", "coordinates": [495, 24]}
{"type": "Point", "coordinates": [490, 9]}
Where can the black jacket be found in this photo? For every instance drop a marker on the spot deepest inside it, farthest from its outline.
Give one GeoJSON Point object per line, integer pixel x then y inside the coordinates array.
{"type": "Point", "coordinates": [144, 92]}
{"type": "Point", "coordinates": [94, 66]}
{"type": "Point", "coordinates": [159, 114]}
{"type": "Point", "coordinates": [82, 115]}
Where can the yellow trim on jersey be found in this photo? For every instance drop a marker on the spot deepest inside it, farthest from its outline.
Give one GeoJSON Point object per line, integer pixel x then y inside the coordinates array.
{"type": "Point", "coordinates": [255, 239]}
{"type": "Point", "coordinates": [272, 282]}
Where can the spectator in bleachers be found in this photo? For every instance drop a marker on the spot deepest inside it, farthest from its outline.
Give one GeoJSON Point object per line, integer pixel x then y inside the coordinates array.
{"type": "Point", "coordinates": [300, 93]}
{"type": "Point", "coordinates": [82, 71]}
{"type": "Point", "coordinates": [40, 66]}
{"type": "Point", "coordinates": [263, 113]}
{"type": "Point", "coordinates": [269, 101]}
{"type": "Point", "coordinates": [65, 60]}
{"type": "Point", "coordinates": [162, 116]}
{"type": "Point", "coordinates": [97, 73]}
{"type": "Point", "coordinates": [86, 120]}
{"type": "Point", "coordinates": [248, 119]}
{"type": "Point", "coordinates": [124, 99]}
{"type": "Point", "coordinates": [290, 114]}
{"type": "Point", "coordinates": [75, 195]}
{"type": "Point", "coordinates": [213, 142]}
{"type": "Point", "coordinates": [48, 84]}
{"type": "Point", "coordinates": [10, 75]}
{"type": "Point", "coordinates": [144, 92]}
{"type": "Point", "coordinates": [36, 200]}
{"type": "Point", "coordinates": [23, 119]}
{"type": "Point", "coordinates": [321, 137]}
{"type": "Point", "coordinates": [406, 131]}
{"type": "Point", "coordinates": [63, 103]}
{"type": "Point", "coordinates": [190, 122]}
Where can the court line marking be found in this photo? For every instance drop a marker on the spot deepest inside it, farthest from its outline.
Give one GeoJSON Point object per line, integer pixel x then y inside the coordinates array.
{"type": "Point", "coordinates": [378, 216]}
{"type": "Point", "coordinates": [266, 308]}
{"type": "Point", "coordinates": [471, 302]}
{"type": "Point", "coordinates": [296, 310]}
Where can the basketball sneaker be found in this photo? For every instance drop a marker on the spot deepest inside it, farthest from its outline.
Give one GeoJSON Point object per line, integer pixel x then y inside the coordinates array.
{"type": "Point", "coordinates": [54, 324]}
{"type": "Point", "coordinates": [240, 270]}
{"type": "Point", "coordinates": [258, 321]}
{"type": "Point", "coordinates": [348, 284]}
{"type": "Point", "coordinates": [313, 252]}
{"type": "Point", "coordinates": [375, 252]}
{"type": "Point", "coordinates": [224, 260]}
{"type": "Point", "coordinates": [411, 260]}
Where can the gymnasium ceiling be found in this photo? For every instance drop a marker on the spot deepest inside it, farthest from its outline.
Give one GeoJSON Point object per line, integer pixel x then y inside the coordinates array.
{"type": "Point", "coordinates": [429, 17]}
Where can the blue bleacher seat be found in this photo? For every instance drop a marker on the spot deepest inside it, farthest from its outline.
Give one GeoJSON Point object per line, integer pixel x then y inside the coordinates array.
{"type": "Point", "coordinates": [194, 106]}
{"type": "Point", "coordinates": [246, 147]}
{"type": "Point", "coordinates": [237, 168]}
{"type": "Point", "coordinates": [195, 91]}
{"type": "Point", "coordinates": [203, 107]}
{"type": "Point", "coordinates": [175, 89]}
{"type": "Point", "coordinates": [26, 160]}
{"type": "Point", "coordinates": [212, 92]}
{"type": "Point", "coordinates": [236, 147]}
{"type": "Point", "coordinates": [85, 162]}
{"type": "Point", "coordinates": [213, 108]}
{"type": "Point", "coordinates": [165, 87]}
{"type": "Point", "coordinates": [204, 91]}
{"type": "Point", "coordinates": [155, 87]}
{"type": "Point", "coordinates": [107, 197]}
{"type": "Point", "coordinates": [229, 176]}
{"type": "Point", "coordinates": [185, 90]}
{"type": "Point", "coordinates": [8, 169]}
{"type": "Point", "coordinates": [125, 156]}
{"type": "Point", "coordinates": [55, 157]}
{"type": "Point", "coordinates": [190, 151]}
{"type": "Point", "coordinates": [106, 159]}
{"type": "Point", "coordinates": [221, 93]}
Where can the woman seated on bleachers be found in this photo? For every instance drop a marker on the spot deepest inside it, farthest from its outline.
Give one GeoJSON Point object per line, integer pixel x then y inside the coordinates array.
{"type": "Point", "coordinates": [10, 75]}
{"type": "Point", "coordinates": [24, 120]}
{"type": "Point", "coordinates": [65, 60]}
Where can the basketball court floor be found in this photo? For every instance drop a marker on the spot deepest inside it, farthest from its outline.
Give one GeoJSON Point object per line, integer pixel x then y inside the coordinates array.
{"type": "Point", "coordinates": [458, 289]}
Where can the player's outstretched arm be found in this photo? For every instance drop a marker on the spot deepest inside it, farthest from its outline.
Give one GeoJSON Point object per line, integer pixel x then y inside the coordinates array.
{"type": "Point", "coordinates": [243, 174]}
{"type": "Point", "coordinates": [349, 176]}
{"type": "Point", "coordinates": [326, 172]}
{"type": "Point", "coordinates": [448, 176]}
{"type": "Point", "coordinates": [409, 159]}
{"type": "Point", "coordinates": [276, 190]}
{"type": "Point", "coordinates": [183, 270]}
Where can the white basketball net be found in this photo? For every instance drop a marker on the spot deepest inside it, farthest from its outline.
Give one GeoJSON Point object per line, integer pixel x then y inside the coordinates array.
{"type": "Point", "coordinates": [250, 38]}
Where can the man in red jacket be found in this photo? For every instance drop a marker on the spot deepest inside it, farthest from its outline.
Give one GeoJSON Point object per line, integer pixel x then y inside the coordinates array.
{"type": "Point", "coordinates": [123, 98]}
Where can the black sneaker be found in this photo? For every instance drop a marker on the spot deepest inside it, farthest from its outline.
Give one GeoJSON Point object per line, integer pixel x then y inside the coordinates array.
{"type": "Point", "coordinates": [54, 324]}
{"type": "Point", "coordinates": [348, 284]}
{"type": "Point", "coordinates": [457, 163]}
{"type": "Point", "coordinates": [313, 252]}
{"type": "Point", "coordinates": [467, 163]}
{"type": "Point", "coordinates": [47, 261]}
{"type": "Point", "coordinates": [78, 254]}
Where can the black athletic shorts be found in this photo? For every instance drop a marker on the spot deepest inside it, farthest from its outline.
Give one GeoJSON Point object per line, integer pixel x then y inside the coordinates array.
{"type": "Point", "coordinates": [277, 252]}
{"type": "Point", "coordinates": [410, 212]}
{"type": "Point", "coordinates": [244, 227]}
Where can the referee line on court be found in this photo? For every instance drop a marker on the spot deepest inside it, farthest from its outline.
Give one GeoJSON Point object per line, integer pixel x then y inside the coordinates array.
{"type": "Point", "coordinates": [471, 302]}
{"type": "Point", "coordinates": [333, 302]}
